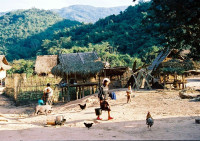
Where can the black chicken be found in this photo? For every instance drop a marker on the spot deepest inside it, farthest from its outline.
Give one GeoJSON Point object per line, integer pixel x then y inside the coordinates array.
{"type": "Point", "coordinates": [88, 125]}
{"type": "Point", "coordinates": [82, 106]}
{"type": "Point", "coordinates": [149, 120]}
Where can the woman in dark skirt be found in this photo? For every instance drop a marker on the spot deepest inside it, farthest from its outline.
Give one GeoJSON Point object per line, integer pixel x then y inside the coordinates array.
{"type": "Point", "coordinates": [103, 96]}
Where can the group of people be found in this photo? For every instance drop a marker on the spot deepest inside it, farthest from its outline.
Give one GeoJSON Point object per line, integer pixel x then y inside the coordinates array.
{"type": "Point", "coordinates": [47, 97]}
{"type": "Point", "coordinates": [103, 95]}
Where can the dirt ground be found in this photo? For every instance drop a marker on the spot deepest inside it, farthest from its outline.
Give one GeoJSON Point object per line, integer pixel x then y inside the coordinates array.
{"type": "Point", "coordinates": [174, 119]}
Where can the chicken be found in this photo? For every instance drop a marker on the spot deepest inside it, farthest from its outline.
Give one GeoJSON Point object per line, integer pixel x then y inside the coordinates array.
{"type": "Point", "coordinates": [88, 125]}
{"type": "Point", "coordinates": [82, 106]}
{"type": "Point", "coordinates": [149, 120]}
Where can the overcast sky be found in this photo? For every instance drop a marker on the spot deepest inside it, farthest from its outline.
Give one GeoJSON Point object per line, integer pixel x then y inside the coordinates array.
{"type": "Point", "coordinates": [8, 5]}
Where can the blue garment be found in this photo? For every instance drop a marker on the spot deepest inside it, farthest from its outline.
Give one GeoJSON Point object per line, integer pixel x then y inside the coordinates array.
{"type": "Point", "coordinates": [40, 102]}
{"type": "Point", "coordinates": [113, 96]}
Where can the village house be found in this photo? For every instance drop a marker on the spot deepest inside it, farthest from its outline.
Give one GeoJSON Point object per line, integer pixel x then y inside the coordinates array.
{"type": "Point", "coordinates": [169, 68]}
{"type": "Point", "coordinates": [44, 65]}
{"type": "Point", "coordinates": [78, 70]}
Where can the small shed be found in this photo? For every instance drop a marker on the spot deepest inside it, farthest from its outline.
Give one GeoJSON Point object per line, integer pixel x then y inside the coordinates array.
{"type": "Point", "coordinates": [44, 64]}
{"type": "Point", "coordinates": [169, 67]}
{"type": "Point", "coordinates": [4, 66]}
{"type": "Point", "coordinates": [118, 75]}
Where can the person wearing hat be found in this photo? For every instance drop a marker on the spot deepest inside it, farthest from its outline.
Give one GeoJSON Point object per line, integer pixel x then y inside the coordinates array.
{"type": "Point", "coordinates": [48, 94]}
{"type": "Point", "coordinates": [103, 96]}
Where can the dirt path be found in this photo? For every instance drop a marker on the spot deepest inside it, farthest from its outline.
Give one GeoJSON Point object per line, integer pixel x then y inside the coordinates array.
{"type": "Point", "coordinates": [174, 119]}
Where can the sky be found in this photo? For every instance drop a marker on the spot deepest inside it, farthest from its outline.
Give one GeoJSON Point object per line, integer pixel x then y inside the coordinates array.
{"type": "Point", "coordinates": [9, 5]}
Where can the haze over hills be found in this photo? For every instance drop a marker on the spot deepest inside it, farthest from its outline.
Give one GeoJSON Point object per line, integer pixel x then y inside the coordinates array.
{"type": "Point", "coordinates": [86, 13]}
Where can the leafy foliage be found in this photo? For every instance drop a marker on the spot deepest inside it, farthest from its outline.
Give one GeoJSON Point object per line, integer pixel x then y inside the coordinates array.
{"type": "Point", "coordinates": [22, 66]}
{"type": "Point", "coordinates": [124, 32]}
{"type": "Point", "coordinates": [138, 33]}
{"type": "Point", "coordinates": [22, 31]}
{"type": "Point", "coordinates": [177, 22]}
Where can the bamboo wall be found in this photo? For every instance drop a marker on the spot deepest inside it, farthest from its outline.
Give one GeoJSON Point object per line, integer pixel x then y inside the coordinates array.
{"type": "Point", "coordinates": [24, 90]}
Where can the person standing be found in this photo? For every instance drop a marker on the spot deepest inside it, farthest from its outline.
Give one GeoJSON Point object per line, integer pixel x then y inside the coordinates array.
{"type": "Point", "coordinates": [48, 95]}
{"type": "Point", "coordinates": [103, 96]}
{"type": "Point", "coordinates": [129, 92]}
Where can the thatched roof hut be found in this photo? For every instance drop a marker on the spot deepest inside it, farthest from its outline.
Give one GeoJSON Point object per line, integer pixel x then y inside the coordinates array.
{"type": "Point", "coordinates": [4, 63]}
{"type": "Point", "coordinates": [45, 63]}
{"type": "Point", "coordinates": [79, 64]}
{"type": "Point", "coordinates": [164, 56]}
{"type": "Point", "coordinates": [170, 61]}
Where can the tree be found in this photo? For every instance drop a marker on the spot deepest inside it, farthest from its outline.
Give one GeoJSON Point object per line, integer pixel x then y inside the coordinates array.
{"type": "Point", "coordinates": [178, 22]}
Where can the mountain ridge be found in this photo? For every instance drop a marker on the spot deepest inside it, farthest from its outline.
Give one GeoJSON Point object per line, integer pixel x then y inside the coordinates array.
{"type": "Point", "coordinates": [87, 13]}
{"type": "Point", "coordinates": [82, 13]}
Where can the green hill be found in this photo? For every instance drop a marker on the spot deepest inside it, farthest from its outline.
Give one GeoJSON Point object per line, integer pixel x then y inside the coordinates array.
{"type": "Point", "coordinates": [86, 13]}
{"type": "Point", "coordinates": [124, 33]}
{"type": "Point", "coordinates": [22, 31]}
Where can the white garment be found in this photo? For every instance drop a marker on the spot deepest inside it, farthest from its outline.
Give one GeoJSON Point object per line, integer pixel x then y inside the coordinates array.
{"type": "Point", "coordinates": [50, 93]}
{"type": "Point", "coordinates": [129, 91]}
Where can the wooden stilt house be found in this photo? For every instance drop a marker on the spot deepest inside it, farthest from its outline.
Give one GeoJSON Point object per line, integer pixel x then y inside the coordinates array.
{"type": "Point", "coordinates": [168, 68]}
{"type": "Point", "coordinates": [78, 70]}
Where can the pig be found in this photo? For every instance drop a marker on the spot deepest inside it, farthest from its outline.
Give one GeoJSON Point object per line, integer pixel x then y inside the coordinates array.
{"type": "Point", "coordinates": [43, 109]}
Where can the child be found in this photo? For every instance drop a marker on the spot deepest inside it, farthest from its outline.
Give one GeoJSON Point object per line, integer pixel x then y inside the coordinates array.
{"type": "Point", "coordinates": [129, 92]}
{"type": "Point", "coordinates": [48, 95]}
{"type": "Point", "coordinates": [40, 102]}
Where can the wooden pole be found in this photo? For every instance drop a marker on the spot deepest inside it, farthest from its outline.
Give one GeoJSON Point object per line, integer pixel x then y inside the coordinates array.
{"type": "Point", "coordinates": [90, 90]}
{"type": "Point", "coordinates": [80, 92]}
{"type": "Point", "coordinates": [63, 95]}
{"type": "Point", "coordinates": [76, 93]}
{"type": "Point", "coordinates": [68, 95]}
{"type": "Point", "coordinates": [93, 90]}
{"type": "Point", "coordinates": [83, 93]}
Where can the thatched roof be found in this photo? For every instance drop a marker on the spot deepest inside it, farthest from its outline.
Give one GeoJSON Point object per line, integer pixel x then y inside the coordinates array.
{"type": "Point", "coordinates": [163, 55]}
{"type": "Point", "coordinates": [177, 65]}
{"type": "Point", "coordinates": [83, 64]}
{"type": "Point", "coordinates": [45, 63]}
{"type": "Point", "coordinates": [4, 63]}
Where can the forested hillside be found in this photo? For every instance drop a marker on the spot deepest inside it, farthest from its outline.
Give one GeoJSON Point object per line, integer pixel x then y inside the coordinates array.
{"type": "Point", "coordinates": [124, 33]}
{"type": "Point", "coordinates": [22, 31]}
{"type": "Point", "coordinates": [137, 33]}
{"type": "Point", "coordinates": [86, 13]}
